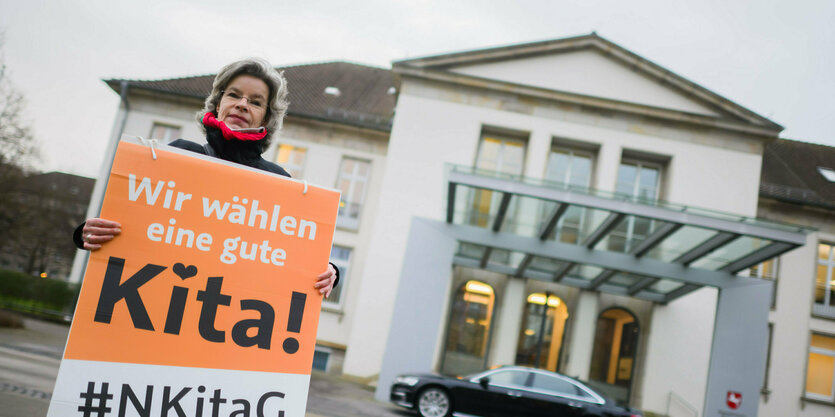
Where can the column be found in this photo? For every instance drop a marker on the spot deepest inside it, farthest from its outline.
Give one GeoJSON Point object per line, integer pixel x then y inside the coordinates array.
{"type": "Point", "coordinates": [583, 322]}
{"type": "Point", "coordinates": [506, 330]}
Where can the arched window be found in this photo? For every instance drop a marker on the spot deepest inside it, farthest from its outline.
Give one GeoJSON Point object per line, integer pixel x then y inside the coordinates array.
{"type": "Point", "coordinates": [615, 349]}
{"type": "Point", "coordinates": [540, 339]}
{"type": "Point", "coordinates": [468, 330]}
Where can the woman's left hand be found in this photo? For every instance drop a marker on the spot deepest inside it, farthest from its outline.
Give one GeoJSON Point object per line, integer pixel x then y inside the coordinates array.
{"type": "Point", "coordinates": [324, 282]}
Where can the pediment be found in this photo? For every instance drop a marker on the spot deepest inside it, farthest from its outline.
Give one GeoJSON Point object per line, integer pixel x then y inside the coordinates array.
{"type": "Point", "coordinates": [589, 70]}
{"type": "Point", "coordinates": [590, 73]}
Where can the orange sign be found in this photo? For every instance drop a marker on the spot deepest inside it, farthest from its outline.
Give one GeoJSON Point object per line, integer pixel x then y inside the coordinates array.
{"type": "Point", "coordinates": [214, 267]}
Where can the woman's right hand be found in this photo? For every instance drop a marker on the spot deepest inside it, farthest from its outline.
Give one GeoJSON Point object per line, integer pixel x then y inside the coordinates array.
{"type": "Point", "coordinates": [98, 231]}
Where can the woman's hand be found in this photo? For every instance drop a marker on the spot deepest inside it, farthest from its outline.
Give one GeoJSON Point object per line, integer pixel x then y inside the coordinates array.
{"type": "Point", "coordinates": [99, 231]}
{"type": "Point", "coordinates": [324, 282]}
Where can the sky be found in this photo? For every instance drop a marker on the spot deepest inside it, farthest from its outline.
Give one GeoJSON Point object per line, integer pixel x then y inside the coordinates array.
{"type": "Point", "coordinates": [774, 57]}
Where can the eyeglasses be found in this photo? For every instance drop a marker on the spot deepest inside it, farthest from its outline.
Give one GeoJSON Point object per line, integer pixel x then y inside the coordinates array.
{"type": "Point", "coordinates": [234, 96]}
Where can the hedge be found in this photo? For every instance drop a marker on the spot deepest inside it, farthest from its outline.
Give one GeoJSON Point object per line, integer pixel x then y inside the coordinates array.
{"type": "Point", "coordinates": [35, 293]}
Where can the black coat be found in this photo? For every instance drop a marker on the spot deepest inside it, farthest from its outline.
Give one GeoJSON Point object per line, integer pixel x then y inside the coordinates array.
{"type": "Point", "coordinates": [250, 159]}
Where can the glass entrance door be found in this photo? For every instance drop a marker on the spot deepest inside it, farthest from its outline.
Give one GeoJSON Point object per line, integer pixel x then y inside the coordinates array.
{"type": "Point", "coordinates": [613, 357]}
{"type": "Point", "coordinates": [540, 339]}
{"type": "Point", "coordinates": [468, 330]}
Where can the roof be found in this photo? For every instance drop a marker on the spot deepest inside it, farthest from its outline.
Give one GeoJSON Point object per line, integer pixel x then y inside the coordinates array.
{"type": "Point", "coordinates": [71, 186]}
{"type": "Point", "coordinates": [442, 63]}
{"type": "Point", "coordinates": [365, 95]}
{"type": "Point", "coordinates": [790, 173]}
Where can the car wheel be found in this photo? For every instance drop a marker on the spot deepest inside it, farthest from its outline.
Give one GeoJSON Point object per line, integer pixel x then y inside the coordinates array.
{"type": "Point", "coordinates": [434, 402]}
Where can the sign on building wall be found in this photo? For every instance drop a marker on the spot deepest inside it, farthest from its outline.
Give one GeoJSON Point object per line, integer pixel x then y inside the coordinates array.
{"type": "Point", "coordinates": [204, 305]}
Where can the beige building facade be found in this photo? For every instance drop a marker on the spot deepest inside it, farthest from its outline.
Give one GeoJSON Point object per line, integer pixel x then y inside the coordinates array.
{"type": "Point", "coordinates": [589, 125]}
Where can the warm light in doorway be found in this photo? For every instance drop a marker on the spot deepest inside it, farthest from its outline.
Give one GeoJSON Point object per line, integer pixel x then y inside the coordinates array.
{"type": "Point", "coordinates": [539, 298]}
{"type": "Point", "coordinates": [479, 288]}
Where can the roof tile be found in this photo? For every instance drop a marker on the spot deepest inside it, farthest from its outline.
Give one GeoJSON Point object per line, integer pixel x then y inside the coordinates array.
{"type": "Point", "coordinates": [790, 172]}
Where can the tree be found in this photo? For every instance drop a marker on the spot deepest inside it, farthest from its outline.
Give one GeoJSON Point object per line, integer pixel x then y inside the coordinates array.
{"type": "Point", "coordinates": [18, 150]}
{"type": "Point", "coordinates": [17, 144]}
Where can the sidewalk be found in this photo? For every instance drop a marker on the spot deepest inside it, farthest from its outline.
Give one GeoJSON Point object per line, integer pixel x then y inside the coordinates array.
{"type": "Point", "coordinates": [332, 396]}
{"type": "Point", "coordinates": [29, 360]}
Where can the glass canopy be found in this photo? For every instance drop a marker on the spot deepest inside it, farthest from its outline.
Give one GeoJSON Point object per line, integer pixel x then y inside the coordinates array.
{"type": "Point", "coordinates": [601, 241]}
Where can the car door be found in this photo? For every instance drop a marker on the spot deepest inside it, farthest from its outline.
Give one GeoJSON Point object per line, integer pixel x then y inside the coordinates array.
{"type": "Point", "coordinates": [499, 398]}
{"type": "Point", "coordinates": [551, 395]}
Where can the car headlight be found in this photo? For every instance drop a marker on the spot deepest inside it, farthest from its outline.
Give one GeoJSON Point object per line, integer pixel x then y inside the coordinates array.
{"type": "Point", "coordinates": [407, 380]}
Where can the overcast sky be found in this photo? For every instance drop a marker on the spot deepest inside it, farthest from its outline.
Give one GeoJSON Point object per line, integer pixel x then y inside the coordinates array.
{"type": "Point", "coordinates": [776, 58]}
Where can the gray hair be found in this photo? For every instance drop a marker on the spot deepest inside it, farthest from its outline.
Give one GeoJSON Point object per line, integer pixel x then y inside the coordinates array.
{"type": "Point", "coordinates": [261, 69]}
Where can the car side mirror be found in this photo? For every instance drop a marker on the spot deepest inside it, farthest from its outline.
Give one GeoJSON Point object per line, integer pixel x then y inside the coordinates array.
{"type": "Point", "coordinates": [484, 382]}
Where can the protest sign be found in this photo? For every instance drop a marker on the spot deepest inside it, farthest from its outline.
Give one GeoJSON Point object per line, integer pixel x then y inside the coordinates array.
{"type": "Point", "coordinates": [204, 305]}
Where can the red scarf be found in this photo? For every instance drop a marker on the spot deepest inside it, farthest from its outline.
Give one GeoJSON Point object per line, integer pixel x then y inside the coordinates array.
{"type": "Point", "coordinates": [228, 134]}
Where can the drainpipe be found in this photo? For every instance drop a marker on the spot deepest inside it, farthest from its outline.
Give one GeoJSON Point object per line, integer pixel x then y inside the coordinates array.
{"type": "Point", "coordinates": [93, 209]}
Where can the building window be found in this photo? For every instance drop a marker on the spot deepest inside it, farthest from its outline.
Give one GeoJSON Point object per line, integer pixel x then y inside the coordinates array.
{"type": "Point", "coordinates": [291, 158]}
{"type": "Point", "coordinates": [354, 175]}
{"type": "Point", "coordinates": [321, 357]}
{"type": "Point", "coordinates": [497, 154]}
{"type": "Point", "coordinates": [341, 257]}
{"type": "Point", "coordinates": [640, 181]}
{"type": "Point", "coordinates": [165, 133]}
{"type": "Point", "coordinates": [766, 270]}
{"type": "Point", "coordinates": [501, 154]}
{"type": "Point", "coordinates": [573, 169]}
{"type": "Point", "coordinates": [820, 371]}
{"type": "Point", "coordinates": [824, 288]}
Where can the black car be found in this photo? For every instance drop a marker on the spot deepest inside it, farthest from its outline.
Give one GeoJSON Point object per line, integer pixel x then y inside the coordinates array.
{"type": "Point", "coordinates": [510, 391]}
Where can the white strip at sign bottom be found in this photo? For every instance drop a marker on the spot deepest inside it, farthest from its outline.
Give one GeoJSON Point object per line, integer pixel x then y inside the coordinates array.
{"type": "Point", "coordinates": [101, 389]}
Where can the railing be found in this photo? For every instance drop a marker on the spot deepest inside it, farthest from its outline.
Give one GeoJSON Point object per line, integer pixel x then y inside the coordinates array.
{"type": "Point", "coordinates": [684, 405]}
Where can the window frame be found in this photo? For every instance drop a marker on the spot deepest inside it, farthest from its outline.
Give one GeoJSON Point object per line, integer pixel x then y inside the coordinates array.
{"type": "Point", "coordinates": [573, 152]}
{"type": "Point", "coordinates": [659, 182]}
{"type": "Point", "coordinates": [774, 276]}
{"type": "Point", "coordinates": [327, 351]}
{"type": "Point", "coordinates": [581, 151]}
{"type": "Point", "coordinates": [343, 221]}
{"type": "Point", "coordinates": [810, 395]}
{"type": "Point", "coordinates": [288, 166]}
{"type": "Point", "coordinates": [823, 309]}
{"type": "Point", "coordinates": [630, 221]}
{"type": "Point", "coordinates": [169, 127]}
{"type": "Point", "coordinates": [482, 203]}
{"type": "Point", "coordinates": [344, 266]}
{"type": "Point", "coordinates": [504, 136]}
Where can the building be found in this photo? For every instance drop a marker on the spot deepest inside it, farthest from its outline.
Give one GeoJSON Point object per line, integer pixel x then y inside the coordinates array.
{"type": "Point", "coordinates": [564, 204]}
{"type": "Point", "coordinates": [335, 134]}
{"type": "Point", "coordinates": [46, 208]}
{"type": "Point", "coordinates": [798, 185]}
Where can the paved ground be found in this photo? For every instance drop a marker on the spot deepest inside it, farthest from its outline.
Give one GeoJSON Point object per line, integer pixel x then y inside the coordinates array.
{"type": "Point", "coordinates": [29, 360]}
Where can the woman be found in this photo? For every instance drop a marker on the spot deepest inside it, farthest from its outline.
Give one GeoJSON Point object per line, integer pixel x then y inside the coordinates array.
{"type": "Point", "coordinates": [246, 106]}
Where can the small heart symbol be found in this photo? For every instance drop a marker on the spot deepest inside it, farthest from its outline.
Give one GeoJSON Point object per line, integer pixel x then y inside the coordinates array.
{"type": "Point", "coordinates": [184, 271]}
